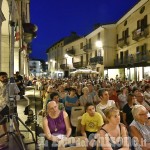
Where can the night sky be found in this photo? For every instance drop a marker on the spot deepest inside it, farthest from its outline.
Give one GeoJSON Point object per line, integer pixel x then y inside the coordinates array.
{"type": "Point", "coordinates": [58, 18]}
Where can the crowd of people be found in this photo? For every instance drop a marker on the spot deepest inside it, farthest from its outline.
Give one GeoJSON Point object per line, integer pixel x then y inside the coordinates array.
{"type": "Point", "coordinates": [109, 109]}
{"type": "Point", "coordinates": [116, 112]}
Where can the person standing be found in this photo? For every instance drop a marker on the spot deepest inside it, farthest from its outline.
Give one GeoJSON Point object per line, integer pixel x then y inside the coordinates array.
{"type": "Point", "coordinates": [4, 101]}
{"type": "Point", "coordinates": [20, 83]}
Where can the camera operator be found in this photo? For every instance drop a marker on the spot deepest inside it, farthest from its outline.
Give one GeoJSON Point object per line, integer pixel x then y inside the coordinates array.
{"type": "Point", "coordinates": [4, 98]}
{"type": "Point", "coordinates": [20, 83]}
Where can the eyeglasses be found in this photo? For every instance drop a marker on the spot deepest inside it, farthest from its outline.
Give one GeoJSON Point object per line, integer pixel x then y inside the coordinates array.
{"type": "Point", "coordinates": [144, 114]}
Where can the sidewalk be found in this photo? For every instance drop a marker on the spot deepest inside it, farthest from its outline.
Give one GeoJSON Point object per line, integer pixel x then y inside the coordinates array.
{"type": "Point", "coordinates": [35, 102]}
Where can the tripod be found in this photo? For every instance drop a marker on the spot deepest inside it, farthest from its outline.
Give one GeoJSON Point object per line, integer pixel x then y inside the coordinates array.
{"type": "Point", "coordinates": [14, 133]}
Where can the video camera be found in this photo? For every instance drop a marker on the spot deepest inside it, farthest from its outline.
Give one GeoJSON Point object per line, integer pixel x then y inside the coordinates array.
{"type": "Point", "coordinates": [28, 111]}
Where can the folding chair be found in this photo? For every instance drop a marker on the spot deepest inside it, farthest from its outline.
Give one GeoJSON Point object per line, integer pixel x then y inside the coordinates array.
{"type": "Point", "coordinates": [75, 113]}
{"type": "Point", "coordinates": [73, 143]}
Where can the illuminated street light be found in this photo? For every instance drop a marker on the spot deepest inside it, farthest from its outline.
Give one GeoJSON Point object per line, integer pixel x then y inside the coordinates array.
{"type": "Point", "coordinates": [66, 55]}
{"type": "Point", "coordinates": [99, 45]}
{"type": "Point", "coordinates": [100, 56]}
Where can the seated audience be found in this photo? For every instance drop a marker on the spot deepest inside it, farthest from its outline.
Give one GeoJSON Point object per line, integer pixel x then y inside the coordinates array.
{"type": "Point", "coordinates": [71, 100]}
{"type": "Point", "coordinates": [85, 98]}
{"type": "Point", "coordinates": [127, 114]}
{"type": "Point", "coordinates": [104, 103]}
{"type": "Point", "coordinates": [141, 101]}
{"type": "Point", "coordinates": [113, 135]}
{"type": "Point", "coordinates": [91, 122]}
{"type": "Point", "coordinates": [55, 125]}
{"type": "Point", "coordinates": [114, 96]}
{"type": "Point", "coordinates": [139, 128]}
{"type": "Point", "coordinates": [55, 97]}
{"type": "Point", "coordinates": [147, 94]}
{"type": "Point", "coordinates": [123, 97]}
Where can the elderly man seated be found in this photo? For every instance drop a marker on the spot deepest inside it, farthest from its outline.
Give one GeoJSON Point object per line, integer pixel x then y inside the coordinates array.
{"type": "Point", "coordinates": [140, 127]}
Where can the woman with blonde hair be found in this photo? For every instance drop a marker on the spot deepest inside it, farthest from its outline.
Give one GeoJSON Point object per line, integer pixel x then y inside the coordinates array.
{"type": "Point", "coordinates": [85, 98]}
{"type": "Point", "coordinates": [113, 134]}
{"type": "Point", "coordinates": [56, 125]}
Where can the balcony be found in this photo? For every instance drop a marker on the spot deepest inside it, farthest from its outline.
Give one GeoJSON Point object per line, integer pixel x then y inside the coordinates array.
{"type": "Point", "coordinates": [122, 42]}
{"type": "Point", "coordinates": [139, 58]}
{"type": "Point", "coordinates": [71, 52]}
{"type": "Point", "coordinates": [29, 32]}
{"type": "Point", "coordinates": [139, 33]}
{"type": "Point", "coordinates": [96, 60]}
{"type": "Point", "coordinates": [64, 66]}
{"type": "Point", "coordinates": [133, 59]}
{"type": "Point", "coordinates": [78, 65]}
{"type": "Point", "coordinates": [87, 48]}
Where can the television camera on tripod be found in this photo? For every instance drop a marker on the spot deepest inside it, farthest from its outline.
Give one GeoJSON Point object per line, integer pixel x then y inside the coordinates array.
{"type": "Point", "coordinates": [14, 134]}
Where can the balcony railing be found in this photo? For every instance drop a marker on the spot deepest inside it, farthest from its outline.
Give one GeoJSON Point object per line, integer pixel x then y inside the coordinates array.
{"type": "Point", "coordinates": [123, 42]}
{"type": "Point", "coordinates": [139, 33]}
{"type": "Point", "coordinates": [133, 59]}
{"type": "Point", "coordinates": [87, 48]}
{"type": "Point", "coordinates": [139, 58]}
{"type": "Point", "coordinates": [96, 60]}
{"type": "Point", "coordinates": [71, 51]}
{"type": "Point", "coordinates": [64, 66]}
{"type": "Point", "coordinates": [79, 64]}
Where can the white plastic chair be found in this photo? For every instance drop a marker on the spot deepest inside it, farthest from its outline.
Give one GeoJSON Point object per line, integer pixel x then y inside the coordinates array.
{"type": "Point", "coordinates": [75, 113]}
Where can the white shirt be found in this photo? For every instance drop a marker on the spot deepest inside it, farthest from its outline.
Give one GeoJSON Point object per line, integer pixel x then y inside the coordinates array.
{"type": "Point", "coordinates": [100, 107]}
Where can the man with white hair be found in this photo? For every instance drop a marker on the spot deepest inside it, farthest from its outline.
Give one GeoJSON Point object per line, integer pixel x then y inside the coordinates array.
{"type": "Point", "coordinates": [141, 101]}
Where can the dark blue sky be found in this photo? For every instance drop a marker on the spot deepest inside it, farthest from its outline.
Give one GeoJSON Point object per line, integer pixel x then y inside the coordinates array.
{"type": "Point", "coordinates": [57, 18]}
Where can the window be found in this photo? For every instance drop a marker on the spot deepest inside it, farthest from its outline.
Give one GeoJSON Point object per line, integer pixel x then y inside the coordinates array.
{"type": "Point", "coordinates": [137, 50]}
{"type": "Point", "coordinates": [117, 38]}
{"type": "Point", "coordinates": [125, 23]}
{"type": "Point", "coordinates": [142, 9]}
{"type": "Point", "coordinates": [143, 49]}
{"type": "Point", "coordinates": [81, 45]}
{"type": "Point", "coordinates": [98, 36]}
{"type": "Point", "coordinates": [142, 24]}
{"type": "Point", "coordinates": [125, 33]}
{"type": "Point", "coordinates": [95, 53]}
{"type": "Point", "coordinates": [126, 54]}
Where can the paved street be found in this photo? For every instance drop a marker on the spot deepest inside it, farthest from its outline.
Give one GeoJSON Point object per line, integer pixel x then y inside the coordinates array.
{"type": "Point", "coordinates": [35, 102]}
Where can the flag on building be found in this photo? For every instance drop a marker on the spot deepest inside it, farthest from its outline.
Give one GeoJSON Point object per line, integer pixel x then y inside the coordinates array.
{"type": "Point", "coordinates": [17, 33]}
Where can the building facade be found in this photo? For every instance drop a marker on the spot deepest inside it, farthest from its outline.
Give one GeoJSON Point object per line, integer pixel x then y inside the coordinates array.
{"type": "Point", "coordinates": [121, 49]}
{"type": "Point", "coordinates": [133, 43]}
{"type": "Point", "coordinates": [16, 35]}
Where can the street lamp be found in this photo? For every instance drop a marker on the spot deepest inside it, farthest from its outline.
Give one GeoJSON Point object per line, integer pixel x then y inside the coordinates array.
{"type": "Point", "coordinates": [99, 45]}
{"type": "Point", "coordinates": [100, 56]}
{"type": "Point", "coordinates": [66, 56]}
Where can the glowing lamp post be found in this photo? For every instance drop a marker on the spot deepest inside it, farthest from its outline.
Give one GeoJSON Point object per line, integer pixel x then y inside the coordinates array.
{"type": "Point", "coordinates": [66, 56]}
{"type": "Point", "coordinates": [99, 45]}
{"type": "Point", "coordinates": [100, 56]}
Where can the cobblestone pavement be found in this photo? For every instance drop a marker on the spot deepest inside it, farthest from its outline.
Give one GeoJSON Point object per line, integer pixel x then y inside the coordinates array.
{"type": "Point", "coordinates": [35, 102]}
